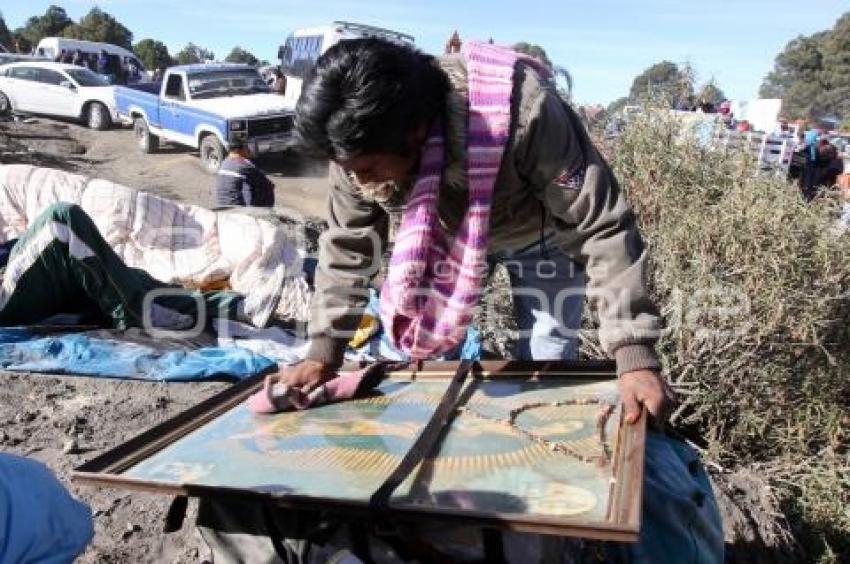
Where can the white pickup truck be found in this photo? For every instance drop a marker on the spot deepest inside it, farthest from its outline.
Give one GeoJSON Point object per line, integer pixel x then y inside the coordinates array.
{"type": "Point", "coordinates": [207, 106]}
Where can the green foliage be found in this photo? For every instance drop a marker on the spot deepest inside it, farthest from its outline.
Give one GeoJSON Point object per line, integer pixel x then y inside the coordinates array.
{"type": "Point", "coordinates": [562, 78]}
{"type": "Point", "coordinates": [665, 81]}
{"type": "Point", "coordinates": [711, 93]}
{"type": "Point", "coordinates": [153, 54]}
{"type": "Point", "coordinates": [812, 74]}
{"type": "Point", "coordinates": [191, 54]}
{"type": "Point", "coordinates": [99, 26]}
{"type": "Point", "coordinates": [535, 51]}
{"type": "Point", "coordinates": [617, 105]}
{"type": "Point", "coordinates": [754, 284]}
{"type": "Point", "coordinates": [51, 24]}
{"type": "Point", "coordinates": [5, 35]}
{"type": "Point", "coordinates": [240, 55]}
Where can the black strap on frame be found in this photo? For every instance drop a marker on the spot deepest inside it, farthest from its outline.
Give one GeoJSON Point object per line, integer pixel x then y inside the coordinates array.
{"type": "Point", "coordinates": [425, 441]}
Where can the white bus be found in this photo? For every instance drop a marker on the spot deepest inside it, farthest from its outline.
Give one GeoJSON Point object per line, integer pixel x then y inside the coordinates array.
{"type": "Point", "coordinates": [303, 46]}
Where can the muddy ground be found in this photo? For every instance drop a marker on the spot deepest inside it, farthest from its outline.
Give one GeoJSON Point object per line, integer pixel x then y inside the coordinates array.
{"type": "Point", "coordinates": [65, 421]}
{"type": "Point", "coordinates": [172, 172]}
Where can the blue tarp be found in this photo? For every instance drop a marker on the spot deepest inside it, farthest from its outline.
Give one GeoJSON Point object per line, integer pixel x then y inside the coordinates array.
{"type": "Point", "coordinates": [81, 354]}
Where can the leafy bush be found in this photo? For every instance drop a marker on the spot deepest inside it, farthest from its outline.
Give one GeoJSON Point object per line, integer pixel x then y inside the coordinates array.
{"type": "Point", "coordinates": [754, 287]}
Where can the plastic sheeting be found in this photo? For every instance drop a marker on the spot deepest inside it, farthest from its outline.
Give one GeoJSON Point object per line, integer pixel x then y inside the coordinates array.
{"type": "Point", "coordinates": [85, 355]}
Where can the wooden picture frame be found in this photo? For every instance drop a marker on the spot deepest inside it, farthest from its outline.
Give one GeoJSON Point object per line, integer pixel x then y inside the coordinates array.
{"type": "Point", "coordinates": [621, 520]}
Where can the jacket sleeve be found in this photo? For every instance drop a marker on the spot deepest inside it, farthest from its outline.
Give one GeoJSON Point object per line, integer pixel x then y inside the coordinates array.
{"type": "Point", "coordinates": [350, 254]}
{"type": "Point", "coordinates": [258, 190]}
{"type": "Point", "coordinates": [594, 224]}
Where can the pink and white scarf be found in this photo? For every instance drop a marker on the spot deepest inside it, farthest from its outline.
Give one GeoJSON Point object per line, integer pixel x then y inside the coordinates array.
{"type": "Point", "coordinates": [433, 283]}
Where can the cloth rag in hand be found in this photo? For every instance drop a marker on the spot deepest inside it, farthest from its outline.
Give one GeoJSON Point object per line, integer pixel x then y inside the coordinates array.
{"type": "Point", "coordinates": [274, 397]}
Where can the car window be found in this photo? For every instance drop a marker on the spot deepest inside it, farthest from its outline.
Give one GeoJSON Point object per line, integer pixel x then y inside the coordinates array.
{"type": "Point", "coordinates": [24, 73]}
{"type": "Point", "coordinates": [174, 87]}
{"type": "Point", "coordinates": [85, 77]}
{"type": "Point", "coordinates": [51, 77]}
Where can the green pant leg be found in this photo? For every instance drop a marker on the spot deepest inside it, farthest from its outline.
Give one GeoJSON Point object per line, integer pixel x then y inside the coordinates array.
{"type": "Point", "coordinates": [66, 257]}
{"type": "Point", "coordinates": [36, 287]}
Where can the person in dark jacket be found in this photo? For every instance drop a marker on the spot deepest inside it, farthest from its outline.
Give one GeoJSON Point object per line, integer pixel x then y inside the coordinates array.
{"type": "Point", "coordinates": [240, 183]}
{"type": "Point", "coordinates": [828, 166]}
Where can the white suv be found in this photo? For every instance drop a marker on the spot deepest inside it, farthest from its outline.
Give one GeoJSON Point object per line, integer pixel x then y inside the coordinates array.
{"type": "Point", "coordinates": [58, 90]}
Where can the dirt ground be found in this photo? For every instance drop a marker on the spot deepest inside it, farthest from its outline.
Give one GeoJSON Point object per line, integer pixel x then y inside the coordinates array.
{"type": "Point", "coordinates": [173, 172]}
{"type": "Point", "coordinates": [65, 421]}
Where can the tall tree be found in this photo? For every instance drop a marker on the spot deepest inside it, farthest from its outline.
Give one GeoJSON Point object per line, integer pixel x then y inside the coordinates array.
{"type": "Point", "coordinates": [240, 55]}
{"type": "Point", "coordinates": [663, 81]}
{"type": "Point", "coordinates": [836, 76]}
{"type": "Point", "coordinates": [617, 105]}
{"type": "Point", "coordinates": [51, 24]}
{"type": "Point", "coordinates": [5, 35]}
{"type": "Point", "coordinates": [710, 92]}
{"type": "Point", "coordinates": [812, 74]}
{"type": "Point", "coordinates": [796, 77]}
{"type": "Point", "coordinates": [99, 26]}
{"type": "Point", "coordinates": [153, 54]}
{"type": "Point", "coordinates": [192, 53]}
{"type": "Point", "coordinates": [535, 51]}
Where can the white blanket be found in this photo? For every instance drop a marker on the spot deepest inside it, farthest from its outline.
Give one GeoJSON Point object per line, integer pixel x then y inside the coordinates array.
{"type": "Point", "coordinates": [174, 242]}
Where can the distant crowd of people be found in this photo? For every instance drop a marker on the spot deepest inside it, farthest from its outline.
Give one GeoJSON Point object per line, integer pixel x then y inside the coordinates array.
{"type": "Point", "coordinates": [119, 70]}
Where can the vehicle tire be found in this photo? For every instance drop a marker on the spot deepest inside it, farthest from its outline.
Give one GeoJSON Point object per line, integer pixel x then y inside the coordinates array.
{"type": "Point", "coordinates": [212, 153]}
{"type": "Point", "coordinates": [148, 142]}
{"type": "Point", "coordinates": [5, 104]}
{"type": "Point", "coordinates": [97, 116]}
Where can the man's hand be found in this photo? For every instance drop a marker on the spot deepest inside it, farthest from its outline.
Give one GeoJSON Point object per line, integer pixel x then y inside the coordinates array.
{"type": "Point", "coordinates": [306, 375]}
{"type": "Point", "coordinates": [645, 387]}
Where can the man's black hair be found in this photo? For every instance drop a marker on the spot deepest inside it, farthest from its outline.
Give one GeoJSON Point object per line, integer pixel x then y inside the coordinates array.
{"type": "Point", "coordinates": [368, 96]}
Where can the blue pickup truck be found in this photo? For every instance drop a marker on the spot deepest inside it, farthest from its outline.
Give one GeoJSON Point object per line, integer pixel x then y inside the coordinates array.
{"type": "Point", "coordinates": [207, 106]}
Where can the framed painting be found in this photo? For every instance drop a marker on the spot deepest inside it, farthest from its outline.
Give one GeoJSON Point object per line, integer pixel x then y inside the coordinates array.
{"type": "Point", "coordinates": [527, 446]}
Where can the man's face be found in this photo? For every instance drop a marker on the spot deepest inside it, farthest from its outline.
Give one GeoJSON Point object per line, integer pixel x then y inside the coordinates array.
{"type": "Point", "coordinates": [378, 176]}
{"type": "Point", "coordinates": [379, 168]}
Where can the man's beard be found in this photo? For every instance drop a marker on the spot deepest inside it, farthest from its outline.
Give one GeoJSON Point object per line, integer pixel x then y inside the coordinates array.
{"type": "Point", "coordinates": [381, 192]}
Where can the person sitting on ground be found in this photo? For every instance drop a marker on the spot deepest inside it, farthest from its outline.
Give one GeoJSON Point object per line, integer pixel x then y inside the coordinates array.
{"type": "Point", "coordinates": [62, 264]}
{"type": "Point", "coordinates": [240, 183]}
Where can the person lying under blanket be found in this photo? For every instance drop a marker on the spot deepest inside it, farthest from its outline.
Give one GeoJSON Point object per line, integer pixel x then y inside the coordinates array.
{"type": "Point", "coordinates": [62, 264]}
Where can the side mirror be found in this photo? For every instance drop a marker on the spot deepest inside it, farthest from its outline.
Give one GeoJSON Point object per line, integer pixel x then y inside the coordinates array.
{"type": "Point", "coordinates": [69, 85]}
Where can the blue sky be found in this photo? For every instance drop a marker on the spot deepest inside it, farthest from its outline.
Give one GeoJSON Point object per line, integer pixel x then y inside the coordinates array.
{"type": "Point", "coordinates": [604, 43]}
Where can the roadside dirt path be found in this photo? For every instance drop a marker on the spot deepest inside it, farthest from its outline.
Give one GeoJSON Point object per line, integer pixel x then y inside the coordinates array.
{"type": "Point", "coordinates": [172, 172]}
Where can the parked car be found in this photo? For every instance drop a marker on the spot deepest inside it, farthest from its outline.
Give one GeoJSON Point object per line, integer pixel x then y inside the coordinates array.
{"type": "Point", "coordinates": [57, 89]}
{"type": "Point", "coordinates": [6, 58]}
{"type": "Point", "coordinates": [206, 106]}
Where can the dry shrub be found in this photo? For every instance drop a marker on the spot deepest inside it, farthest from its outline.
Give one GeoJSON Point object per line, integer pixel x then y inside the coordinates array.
{"type": "Point", "coordinates": [754, 286]}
